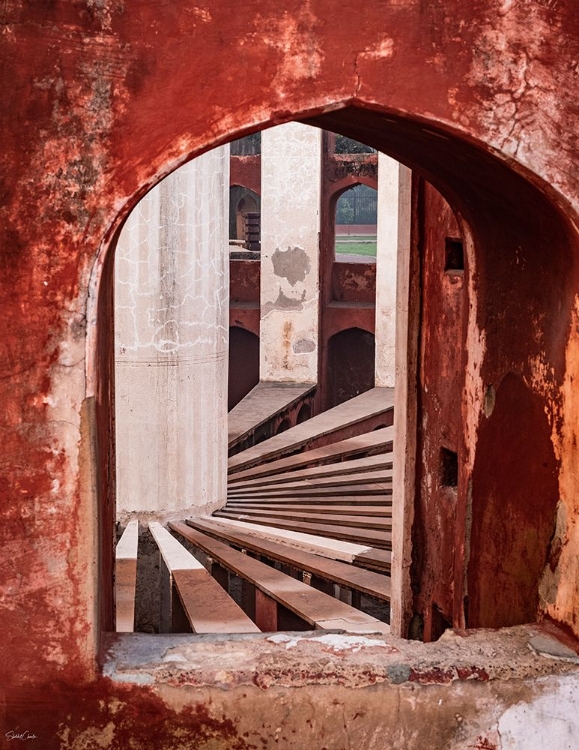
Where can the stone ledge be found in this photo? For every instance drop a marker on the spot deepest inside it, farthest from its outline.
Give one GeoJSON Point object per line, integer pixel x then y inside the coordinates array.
{"type": "Point", "coordinates": [329, 658]}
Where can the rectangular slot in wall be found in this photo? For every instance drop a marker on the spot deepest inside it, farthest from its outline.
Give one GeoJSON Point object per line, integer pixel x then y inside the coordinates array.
{"type": "Point", "coordinates": [448, 468]}
{"type": "Point", "coordinates": [454, 255]}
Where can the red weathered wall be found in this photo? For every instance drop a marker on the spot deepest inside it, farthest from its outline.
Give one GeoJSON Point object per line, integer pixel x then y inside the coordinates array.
{"type": "Point", "coordinates": [354, 283]}
{"type": "Point", "coordinates": [244, 284]}
{"type": "Point", "coordinates": [441, 386]}
{"type": "Point", "coordinates": [515, 495]}
{"type": "Point", "coordinates": [246, 172]}
{"type": "Point", "coordinates": [99, 101]}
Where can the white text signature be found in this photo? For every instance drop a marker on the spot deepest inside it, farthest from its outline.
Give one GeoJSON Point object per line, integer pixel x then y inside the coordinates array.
{"type": "Point", "coordinates": [16, 734]}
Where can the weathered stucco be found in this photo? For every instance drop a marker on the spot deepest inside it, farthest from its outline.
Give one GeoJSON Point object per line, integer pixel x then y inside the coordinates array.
{"type": "Point", "coordinates": [486, 690]}
{"type": "Point", "coordinates": [290, 221]}
{"type": "Point", "coordinates": [440, 384]}
{"type": "Point", "coordinates": [171, 343]}
{"type": "Point", "coordinates": [100, 100]}
{"type": "Point", "coordinates": [388, 233]}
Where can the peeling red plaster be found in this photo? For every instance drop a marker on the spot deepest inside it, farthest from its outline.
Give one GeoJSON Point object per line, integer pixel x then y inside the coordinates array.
{"type": "Point", "coordinates": [129, 95]}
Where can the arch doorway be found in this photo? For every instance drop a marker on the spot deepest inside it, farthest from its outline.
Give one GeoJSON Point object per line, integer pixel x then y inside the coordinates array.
{"type": "Point", "coordinates": [350, 365]}
{"type": "Point", "coordinates": [509, 249]}
{"type": "Point", "coordinates": [241, 202]}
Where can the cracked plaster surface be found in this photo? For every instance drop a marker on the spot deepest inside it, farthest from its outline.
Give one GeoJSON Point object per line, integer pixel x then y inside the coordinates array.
{"type": "Point", "coordinates": [291, 184]}
{"type": "Point", "coordinates": [171, 342]}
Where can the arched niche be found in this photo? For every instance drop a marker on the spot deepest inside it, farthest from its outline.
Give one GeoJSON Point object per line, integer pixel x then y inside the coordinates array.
{"type": "Point", "coordinates": [243, 364]}
{"type": "Point", "coordinates": [355, 222]}
{"type": "Point", "coordinates": [350, 364]}
{"type": "Point", "coordinates": [242, 201]}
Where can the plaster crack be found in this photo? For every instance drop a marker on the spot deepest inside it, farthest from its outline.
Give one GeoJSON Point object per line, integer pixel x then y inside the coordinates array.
{"type": "Point", "coordinates": [498, 731]}
{"type": "Point", "coordinates": [358, 83]}
{"type": "Point", "coordinates": [346, 730]}
{"type": "Point", "coordinates": [515, 99]}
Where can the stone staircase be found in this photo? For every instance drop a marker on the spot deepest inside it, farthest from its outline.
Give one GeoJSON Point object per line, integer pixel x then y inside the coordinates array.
{"type": "Point", "coordinates": [304, 540]}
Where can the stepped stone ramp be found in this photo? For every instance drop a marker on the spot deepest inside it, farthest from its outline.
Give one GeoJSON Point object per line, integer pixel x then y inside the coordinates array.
{"type": "Point", "coordinates": [350, 418]}
{"type": "Point", "coordinates": [263, 403]}
{"type": "Point", "coordinates": [381, 478]}
{"type": "Point", "coordinates": [314, 502]}
{"type": "Point", "coordinates": [377, 442]}
{"type": "Point", "coordinates": [354, 466]}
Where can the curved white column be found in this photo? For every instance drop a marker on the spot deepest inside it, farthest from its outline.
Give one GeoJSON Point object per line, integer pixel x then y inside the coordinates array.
{"type": "Point", "coordinates": [171, 343]}
{"type": "Point", "coordinates": [388, 230]}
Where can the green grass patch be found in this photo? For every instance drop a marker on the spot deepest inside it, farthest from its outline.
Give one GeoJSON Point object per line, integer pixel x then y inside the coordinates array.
{"type": "Point", "coordinates": [356, 248]}
{"type": "Point", "coordinates": [355, 238]}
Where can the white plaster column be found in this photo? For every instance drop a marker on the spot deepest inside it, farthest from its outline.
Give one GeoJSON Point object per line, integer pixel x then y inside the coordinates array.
{"type": "Point", "coordinates": [290, 226]}
{"type": "Point", "coordinates": [389, 172]}
{"type": "Point", "coordinates": [171, 343]}
{"type": "Point", "coordinates": [405, 410]}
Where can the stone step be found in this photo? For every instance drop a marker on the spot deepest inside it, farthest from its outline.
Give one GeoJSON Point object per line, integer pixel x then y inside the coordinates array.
{"type": "Point", "coordinates": [350, 417]}
{"type": "Point", "coordinates": [371, 443]}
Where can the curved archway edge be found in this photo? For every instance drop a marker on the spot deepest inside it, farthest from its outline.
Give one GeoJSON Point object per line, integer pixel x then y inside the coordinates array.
{"type": "Point", "coordinates": [437, 86]}
{"type": "Point", "coordinates": [515, 232]}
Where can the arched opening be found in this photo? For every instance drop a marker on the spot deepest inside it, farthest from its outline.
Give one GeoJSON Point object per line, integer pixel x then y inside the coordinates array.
{"type": "Point", "coordinates": [350, 365]}
{"type": "Point", "coordinates": [248, 204]}
{"type": "Point", "coordinates": [243, 364]}
{"type": "Point", "coordinates": [489, 202]}
{"type": "Point", "coordinates": [355, 223]}
{"type": "Point", "coordinates": [104, 100]}
{"type": "Point", "coordinates": [284, 425]}
{"type": "Point", "coordinates": [242, 201]}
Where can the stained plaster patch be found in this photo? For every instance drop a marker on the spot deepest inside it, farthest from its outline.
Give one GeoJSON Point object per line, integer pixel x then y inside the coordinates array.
{"type": "Point", "coordinates": [303, 346]}
{"type": "Point", "coordinates": [334, 641]}
{"type": "Point", "coordinates": [292, 264]}
{"type": "Point", "coordinates": [284, 303]}
{"type": "Point", "coordinates": [550, 720]}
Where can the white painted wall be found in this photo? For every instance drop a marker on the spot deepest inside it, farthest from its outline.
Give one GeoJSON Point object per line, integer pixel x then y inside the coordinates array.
{"type": "Point", "coordinates": [386, 263]}
{"type": "Point", "coordinates": [171, 342]}
{"type": "Point", "coordinates": [290, 226]}
{"type": "Point", "coordinates": [405, 412]}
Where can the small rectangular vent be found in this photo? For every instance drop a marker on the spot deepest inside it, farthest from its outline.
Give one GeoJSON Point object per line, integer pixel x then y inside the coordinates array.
{"type": "Point", "coordinates": [454, 255]}
{"type": "Point", "coordinates": [448, 468]}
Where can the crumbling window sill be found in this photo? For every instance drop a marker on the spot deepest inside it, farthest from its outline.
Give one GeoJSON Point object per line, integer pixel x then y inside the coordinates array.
{"type": "Point", "coordinates": [333, 658]}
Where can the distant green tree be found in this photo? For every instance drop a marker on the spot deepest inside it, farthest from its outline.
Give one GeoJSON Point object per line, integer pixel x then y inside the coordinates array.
{"type": "Point", "coordinates": [346, 145]}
